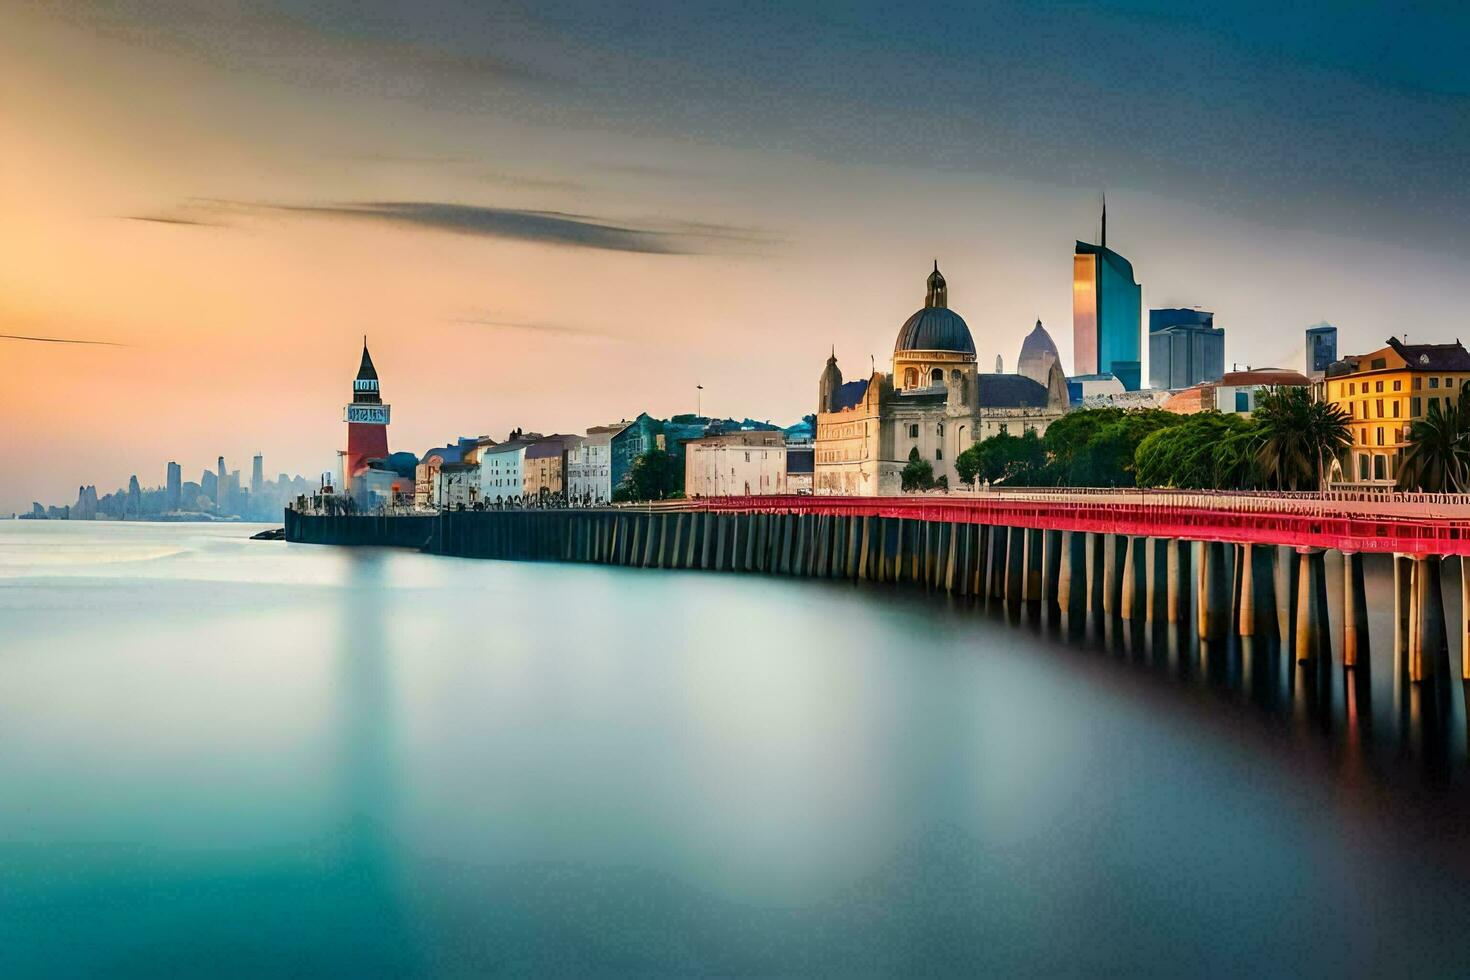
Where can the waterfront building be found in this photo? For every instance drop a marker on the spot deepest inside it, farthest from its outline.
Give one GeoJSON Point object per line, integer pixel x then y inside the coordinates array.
{"type": "Point", "coordinates": [1107, 313]}
{"type": "Point", "coordinates": [1185, 348]}
{"type": "Point", "coordinates": [430, 487]}
{"type": "Point", "coordinates": [1038, 354]}
{"type": "Point", "coordinates": [1387, 391]}
{"type": "Point", "coordinates": [934, 401]}
{"type": "Point", "coordinates": [173, 494]}
{"type": "Point", "coordinates": [502, 471]}
{"type": "Point", "coordinates": [221, 486]}
{"type": "Point", "coordinates": [257, 475]}
{"type": "Point", "coordinates": [1235, 393]}
{"type": "Point", "coordinates": [589, 466]}
{"type": "Point", "coordinates": [735, 464]}
{"type": "Point", "coordinates": [799, 467]}
{"type": "Point", "coordinates": [637, 437]}
{"type": "Point", "coordinates": [544, 466]}
{"type": "Point", "coordinates": [1321, 348]}
{"type": "Point", "coordinates": [367, 420]}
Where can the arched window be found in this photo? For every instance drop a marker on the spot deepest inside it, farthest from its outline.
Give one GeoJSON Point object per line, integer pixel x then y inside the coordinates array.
{"type": "Point", "coordinates": [936, 377]}
{"type": "Point", "coordinates": [954, 375]}
{"type": "Point", "coordinates": [911, 378]}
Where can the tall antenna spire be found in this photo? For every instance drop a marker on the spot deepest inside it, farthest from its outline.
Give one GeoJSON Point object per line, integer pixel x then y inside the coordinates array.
{"type": "Point", "coordinates": [1105, 220]}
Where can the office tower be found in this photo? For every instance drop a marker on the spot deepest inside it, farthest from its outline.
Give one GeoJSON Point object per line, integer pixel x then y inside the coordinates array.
{"type": "Point", "coordinates": [1321, 347]}
{"type": "Point", "coordinates": [174, 486]}
{"type": "Point", "coordinates": [1185, 348]}
{"type": "Point", "coordinates": [257, 474]}
{"type": "Point", "coordinates": [1107, 313]}
{"type": "Point", "coordinates": [221, 485]}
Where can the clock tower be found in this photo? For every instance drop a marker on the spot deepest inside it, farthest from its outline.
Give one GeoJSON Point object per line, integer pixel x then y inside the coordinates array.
{"type": "Point", "coordinates": [367, 420]}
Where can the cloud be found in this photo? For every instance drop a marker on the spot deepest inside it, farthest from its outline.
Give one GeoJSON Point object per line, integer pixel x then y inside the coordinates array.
{"type": "Point", "coordinates": [61, 340]}
{"type": "Point", "coordinates": [561, 329]}
{"type": "Point", "coordinates": [544, 227]}
{"type": "Point", "coordinates": [168, 221]}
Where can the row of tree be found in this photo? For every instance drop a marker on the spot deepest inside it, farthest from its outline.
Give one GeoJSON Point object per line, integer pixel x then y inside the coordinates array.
{"type": "Point", "coordinates": [1287, 443]}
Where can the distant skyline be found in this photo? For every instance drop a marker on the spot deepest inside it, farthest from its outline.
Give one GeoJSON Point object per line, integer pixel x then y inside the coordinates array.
{"type": "Point", "coordinates": [554, 216]}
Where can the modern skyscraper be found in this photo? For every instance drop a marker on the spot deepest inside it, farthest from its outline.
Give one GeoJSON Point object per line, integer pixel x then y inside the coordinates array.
{"type": "Point", "coordinates": [174, 485]}
{"type": "Point", "coordinates": [367, 421]}
{"type": "Point", "coordinates": [221, 485]}
{"type": "Point", "coordinates": [257, 475]}
{"type": "Point", "coordinates": [1185, 348]}
{"type": "Point", "coordinates": [1321, 347]}
{"type": "Point", "coordinates": [1107, 313]}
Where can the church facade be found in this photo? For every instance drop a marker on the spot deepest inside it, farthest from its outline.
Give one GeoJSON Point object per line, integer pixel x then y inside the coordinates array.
{"type": "Point", "coordinates": [935, 401]}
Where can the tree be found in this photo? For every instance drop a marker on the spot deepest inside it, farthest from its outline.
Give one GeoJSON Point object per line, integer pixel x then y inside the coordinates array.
{"type": "Point", "coordinates": [1096, 447]}
{"type": "Point", "coordinates": [1003, 458]}
{"type": "Point", "coordinates": [1297, 437]}
{"type": "Point", "coordinates": [1438, 457]}
{"type": "Point", "coordinates": [1205, 451]}
{"type": "Point", "coordinates": [917, 474]}
{"type": "Point", "coordinates": [655, 475]}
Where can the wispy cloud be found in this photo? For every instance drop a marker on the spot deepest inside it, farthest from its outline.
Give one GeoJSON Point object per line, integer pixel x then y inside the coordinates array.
{"type": "Point", "coordinates": [159, 219]}
{"type": "Point", "coordinates": [545, 227]}
{"type": "Point", "coordinates": [61, 340]}
{"type": "Point", "coordinates": [543, 327]}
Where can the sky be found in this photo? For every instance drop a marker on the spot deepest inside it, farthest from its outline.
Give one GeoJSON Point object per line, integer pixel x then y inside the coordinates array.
{"type": "Point", "coordinates": [551, 216]}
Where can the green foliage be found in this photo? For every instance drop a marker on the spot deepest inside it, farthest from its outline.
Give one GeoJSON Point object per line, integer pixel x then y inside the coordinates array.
{"type": "Point", "coordinates": [655, 475]}
{"type": "Point", "coordinates": [1438, 457]}
{"type": "Point", "coordinates": [1003, 458]}
{"type": "Point", "coordinates": [1298, 436]}
{"type": "Point", "coordinates": [1207, 451]}
{"type": "Point", "coordinates": [917, 474]}
{"type": "Point", "coordinates": [1096, 447]}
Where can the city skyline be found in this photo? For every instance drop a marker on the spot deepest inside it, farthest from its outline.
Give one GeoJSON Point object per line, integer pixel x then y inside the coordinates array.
{"type": "Point", "coordinates": [502, 199]}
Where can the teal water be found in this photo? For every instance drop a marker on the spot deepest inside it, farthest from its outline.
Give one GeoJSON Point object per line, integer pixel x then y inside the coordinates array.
{"type": "Point", "coordinates": [223, 757]}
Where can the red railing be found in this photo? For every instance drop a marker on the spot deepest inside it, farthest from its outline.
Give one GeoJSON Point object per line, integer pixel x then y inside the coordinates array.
{"type": "Point", "coordinates": [1381, 523]}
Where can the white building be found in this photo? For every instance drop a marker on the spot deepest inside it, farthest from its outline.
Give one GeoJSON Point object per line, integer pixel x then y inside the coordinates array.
{"type": "Point", "coordinates": [589, 466]}
{"type": "Point", "coordinates": [738, 464]}
{"type": "Point", "coordinates": [502, 471]}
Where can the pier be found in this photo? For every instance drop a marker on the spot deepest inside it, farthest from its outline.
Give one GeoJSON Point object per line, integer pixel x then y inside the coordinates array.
{"type": "Point", "coordinates": [1251, 565]}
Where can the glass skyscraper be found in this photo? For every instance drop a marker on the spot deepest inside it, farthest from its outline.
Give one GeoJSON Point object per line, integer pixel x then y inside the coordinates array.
{"type": "Point", "coordinates": [1107, 314]}
{"type": "Point", "coordinates": [1185, 348]}
{"type": "Point", "coordinates": [1321, 347]}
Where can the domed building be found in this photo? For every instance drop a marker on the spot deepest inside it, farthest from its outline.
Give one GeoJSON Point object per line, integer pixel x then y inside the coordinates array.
{"type": "Point", "coordinates": [934, 402]}
{"type": "Point", "coordinates": [1038, 354]}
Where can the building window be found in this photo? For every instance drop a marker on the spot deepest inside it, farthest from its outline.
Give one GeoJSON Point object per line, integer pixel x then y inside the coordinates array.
{"type": "Point", "coordinates": [1398, 386]}
{"type": "Point", "coordinates": [913, 431]}
{"type": "Point", "coordinates": [1378, 364]}
{"type": "Point", "coordinates": [939, 428]}
{"type": "Point", "coordinates": [936, 377]}
{"type": "Point", "coordinates": [1352, 388]}
{"type": "Point", "coordinates": [1378, 386]}
{"type": "Point", "coordinates": [1449, 382]}
{"type": "Point", "coordinates": [938, 455]}
{"type": "Point", "coordinates": [1418, 383]}
{"type": "Point", "coordinates": [1380, 435]}
{"type": "Point", "coordinates": [911, 378]}
{"type": "Point", "coordinates": [1242, 401]}
{"type": "Point", "coordinates": [1379, 407]}
{"type": "Point", "coordinates": [1434, 382]}
{"type": "Point", "coordinates": [1395, 408]}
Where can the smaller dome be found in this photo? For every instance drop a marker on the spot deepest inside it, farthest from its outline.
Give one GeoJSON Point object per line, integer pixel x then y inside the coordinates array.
{"type": "Point", "coordinates": [1038, 354]}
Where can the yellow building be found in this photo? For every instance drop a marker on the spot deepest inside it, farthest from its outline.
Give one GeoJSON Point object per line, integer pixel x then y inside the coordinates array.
{"type": "Point", "coordinates": [1384, 393]}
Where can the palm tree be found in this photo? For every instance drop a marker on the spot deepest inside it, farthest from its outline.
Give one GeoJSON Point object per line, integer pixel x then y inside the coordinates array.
{"type": "Point", "coordinates": [1297, 436]}
{"type": "Point", "coordinates": [1438, 457]}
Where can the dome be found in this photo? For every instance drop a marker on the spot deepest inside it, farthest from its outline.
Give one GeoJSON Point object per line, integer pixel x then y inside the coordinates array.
{"type": "Point", "coordinates": [936, 326]}
{"type": "Point", "coordinates": [1038, 354]}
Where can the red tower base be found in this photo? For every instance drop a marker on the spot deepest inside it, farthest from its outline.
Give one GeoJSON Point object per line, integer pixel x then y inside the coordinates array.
{"type": "Point", "coordinates": [364, 442]}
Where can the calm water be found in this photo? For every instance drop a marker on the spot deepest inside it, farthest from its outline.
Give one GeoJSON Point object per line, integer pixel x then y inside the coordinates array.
{"type": "Point", "coordinates": [220, 756]}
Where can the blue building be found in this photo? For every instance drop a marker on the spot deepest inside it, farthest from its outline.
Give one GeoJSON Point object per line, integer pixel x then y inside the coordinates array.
{"type": "Point", "coordinates": [1107, 313]}
{"type": "Point", "coordinates": [1185, 348]}
{"type": "Point", "coordinates": [636, 438]}
{"type": "Point", "coordinates": [1321, 347]}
